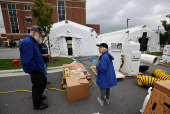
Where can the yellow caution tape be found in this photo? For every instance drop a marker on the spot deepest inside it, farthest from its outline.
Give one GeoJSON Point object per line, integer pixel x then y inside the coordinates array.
{"type": "Point", "coordinates": [45, 89]}
{"type": "Point", "coordinates": [93, 81]}
{"type": "Point", "coordinates": [11, 91]}
{"type": "Point", "coordinates": [30, 91]}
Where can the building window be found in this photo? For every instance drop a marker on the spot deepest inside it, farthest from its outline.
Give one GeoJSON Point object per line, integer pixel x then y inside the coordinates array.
{"type": "Point", "coordinates": [28, 19]}
{"type": "Point", "coordinates": [61, 10]}
{"type": "Point", "coordinates": [28, 30]}
{"type": "Point", "coordinates": [13, 18]}
{"type": "Point", "coordinates": [27, 7]}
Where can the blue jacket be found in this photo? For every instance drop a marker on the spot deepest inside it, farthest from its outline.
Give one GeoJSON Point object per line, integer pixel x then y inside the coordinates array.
{"type": "Point", "coordinates": [106, 77]}
{"type": "Point", "coordinates": [31, 58]}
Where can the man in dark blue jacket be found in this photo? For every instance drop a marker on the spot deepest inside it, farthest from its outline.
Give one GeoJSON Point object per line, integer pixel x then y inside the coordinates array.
{"type": "Point", "coordinates": [44, 51]}
{"type": "Point", "coordinates": [33, 64]}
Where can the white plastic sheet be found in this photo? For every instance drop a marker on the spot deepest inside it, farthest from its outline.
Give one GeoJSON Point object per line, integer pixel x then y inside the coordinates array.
{"type": "Point", "coordinates": [146, 100]}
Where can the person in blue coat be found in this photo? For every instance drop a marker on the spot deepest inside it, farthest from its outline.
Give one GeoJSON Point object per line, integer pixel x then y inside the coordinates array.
{"type": "Point", "coordinates": [106, 77]}
{"type": "Point", "coordinates": [33, 64]}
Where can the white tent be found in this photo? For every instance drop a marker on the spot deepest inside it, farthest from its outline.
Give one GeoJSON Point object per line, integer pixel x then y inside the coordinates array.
{"type": "Point", "coordinates": [83, 39]}
{"type": "Point", "coordinates": [134, 34]}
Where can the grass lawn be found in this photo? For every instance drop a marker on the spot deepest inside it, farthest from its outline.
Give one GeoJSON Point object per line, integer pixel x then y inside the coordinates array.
{"type": "Point", "coordinates": [7, 64]}
{"type": "Point", "coordinates": [5, 47]}
{"type": "Point", "coordinates": [62, 60]}
{"type": "Point", "coordinates": [155, 53]}
{"type": "Point", "coordinates": [69, 45]}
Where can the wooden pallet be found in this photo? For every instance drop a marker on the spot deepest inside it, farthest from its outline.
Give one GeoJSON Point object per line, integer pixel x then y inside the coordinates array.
{"type": "Point", "coordinates": [164, 64]}
{"type": "Point", "coordinates": [93, 70]}
{"type": "Point", "coordinates": [125, 74]}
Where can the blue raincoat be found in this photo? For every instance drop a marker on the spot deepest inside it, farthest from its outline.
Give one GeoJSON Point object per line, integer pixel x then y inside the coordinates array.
{"type": "Point", "coordinates": [106, 77]}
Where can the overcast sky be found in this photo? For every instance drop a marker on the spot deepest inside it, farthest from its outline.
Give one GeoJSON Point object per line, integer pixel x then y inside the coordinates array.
{"type": "Point", "coordinates": [112, 14]}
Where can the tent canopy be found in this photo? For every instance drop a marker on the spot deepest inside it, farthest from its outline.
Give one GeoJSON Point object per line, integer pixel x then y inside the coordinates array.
{"type": "Point", "coordinates": [83, 39]}
{"type": "Point", "coordinates": [133, 34]}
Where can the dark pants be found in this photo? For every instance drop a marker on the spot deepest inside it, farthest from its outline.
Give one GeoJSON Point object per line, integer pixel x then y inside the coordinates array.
{"type": "Point", "coordinates": [39, 81]}
{"type": "Point", "coordinates": [104, 92]}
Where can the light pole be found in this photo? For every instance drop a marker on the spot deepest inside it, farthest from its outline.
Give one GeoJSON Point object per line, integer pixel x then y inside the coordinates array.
{"type": "Point", "coordinates": [127, 22]}
{"type": "Point", "coordinates": [158, 28]}
{"type": "Point", "coordinates": [159, 35]}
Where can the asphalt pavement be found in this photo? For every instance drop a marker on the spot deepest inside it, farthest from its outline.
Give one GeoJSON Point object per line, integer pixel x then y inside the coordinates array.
{"type": "Point", "coordinates": [9, 53]}
{"type": "Point", "coordinates": [126, 98]}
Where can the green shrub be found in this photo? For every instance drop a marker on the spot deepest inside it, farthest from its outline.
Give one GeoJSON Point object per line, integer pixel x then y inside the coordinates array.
{"type": "Point", "coordinates": [11, 40]}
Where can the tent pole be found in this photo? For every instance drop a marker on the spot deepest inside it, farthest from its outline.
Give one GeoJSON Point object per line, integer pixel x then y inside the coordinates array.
{"type": "Point", "coordinates": [49, 44]}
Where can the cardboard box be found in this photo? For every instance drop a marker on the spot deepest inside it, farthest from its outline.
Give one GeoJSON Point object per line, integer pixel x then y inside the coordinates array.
{"type": "Point", "coordinates": [75, 67]}
{"type": "Point", "coordinates": [163, 86]}
{"type": "Point", "coordinates": [158, 103]}
{"type": "Point", "coordinates": [77, 89]}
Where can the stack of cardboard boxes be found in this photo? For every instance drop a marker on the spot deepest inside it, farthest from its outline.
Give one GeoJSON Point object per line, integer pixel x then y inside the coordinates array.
{"type": "Point", "coordinates": [78, 85]}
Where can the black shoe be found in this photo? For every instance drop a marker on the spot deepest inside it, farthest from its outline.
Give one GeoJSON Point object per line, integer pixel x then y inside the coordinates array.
{"type": "Point", "coordinates": [41, 107]}
{"type": "Point", "coordinates": [43, 97]}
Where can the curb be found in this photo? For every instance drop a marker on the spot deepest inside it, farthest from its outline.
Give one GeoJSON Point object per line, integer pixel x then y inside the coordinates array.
{"type": "Point", "coordinates": [9, 48]}
{"type": "Point", "coordinates": [20, 72]}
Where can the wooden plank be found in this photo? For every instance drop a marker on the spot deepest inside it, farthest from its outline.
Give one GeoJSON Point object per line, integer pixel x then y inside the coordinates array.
{"type": "Point", "coordinates": [125, 74]}
{"type": "Point", "coordinates": [140, 73]}
{"type": "Point", "coordinates": [93, 70]}
{"type": "Point", "coordinates": [130, 76]}
{"type": "Point", "coordinates": [164, 64]}
{"type": "Point", "coordinates": [159, 63]}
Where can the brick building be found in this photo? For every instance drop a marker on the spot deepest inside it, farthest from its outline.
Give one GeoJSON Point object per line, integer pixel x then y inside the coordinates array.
{"type": "Point", "coordinates": [18, 20]}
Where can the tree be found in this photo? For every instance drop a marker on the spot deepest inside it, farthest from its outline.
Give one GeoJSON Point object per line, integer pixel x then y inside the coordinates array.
{"type": "Point", "coordinates": [166, 27]}
{"type": "Point", "coordinates": [11, 40]}
{"type": "Point", "coordinates": [43, 12]}
{"type": "Point", "coordinates": [163, 38]}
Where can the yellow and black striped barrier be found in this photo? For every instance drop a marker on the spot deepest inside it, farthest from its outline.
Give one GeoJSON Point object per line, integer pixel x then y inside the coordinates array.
{"type": "Point", "coordinates": [21, 90]}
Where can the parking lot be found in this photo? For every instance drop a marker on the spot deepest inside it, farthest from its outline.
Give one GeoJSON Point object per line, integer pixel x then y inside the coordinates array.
{"type": "Point", "coordinates": [126, 98]}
